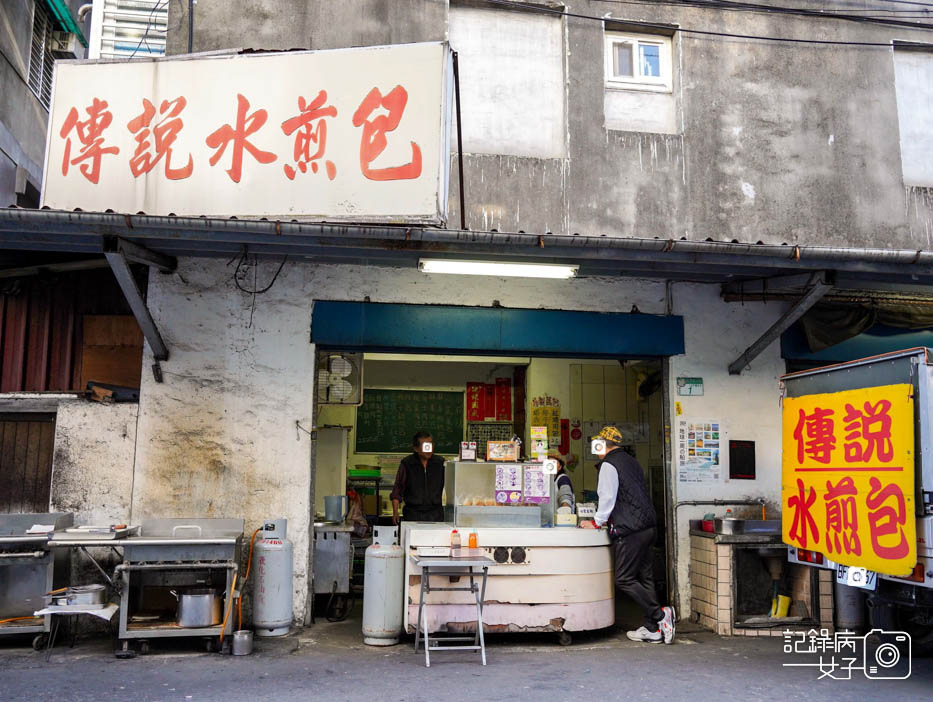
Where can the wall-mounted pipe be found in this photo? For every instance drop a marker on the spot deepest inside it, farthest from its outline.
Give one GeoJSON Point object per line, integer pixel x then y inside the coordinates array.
{"type": "Point", "coordinates": [716, 502]}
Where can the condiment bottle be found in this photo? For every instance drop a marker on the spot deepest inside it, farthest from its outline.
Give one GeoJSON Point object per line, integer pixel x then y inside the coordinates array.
{"type": "Point", "coordinates": [472, 539]}
{"type": "Point", "coordinates": [455, 539]}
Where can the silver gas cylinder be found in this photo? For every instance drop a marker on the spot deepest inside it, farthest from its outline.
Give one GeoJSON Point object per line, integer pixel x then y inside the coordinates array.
{"type": "Point", "coordinates": [272, 585]}
{"type": "Point", "coordinates": [383, 589]}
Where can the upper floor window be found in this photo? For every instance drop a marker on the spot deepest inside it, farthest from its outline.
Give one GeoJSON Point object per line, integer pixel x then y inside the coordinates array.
{"type": "Point", "coordinates": [638, 62]}
{"type": "Point", "coordinates": [41, 60]}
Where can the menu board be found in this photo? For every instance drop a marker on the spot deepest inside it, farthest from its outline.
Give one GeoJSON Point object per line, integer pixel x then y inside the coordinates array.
{"type": "Point", "coordinates": [387, 420]}
{"type": "Point", "coordinates": [509, 484]}
{"type": "Point", "coordinates": [535, 486]}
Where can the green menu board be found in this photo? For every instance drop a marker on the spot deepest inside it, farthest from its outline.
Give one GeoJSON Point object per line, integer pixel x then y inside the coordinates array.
{"type": "Point", "coordinates": [387, 420]}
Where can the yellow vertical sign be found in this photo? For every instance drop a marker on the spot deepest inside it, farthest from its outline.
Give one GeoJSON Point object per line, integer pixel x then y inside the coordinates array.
{"type": "Point", "coordinates": [847, 488]}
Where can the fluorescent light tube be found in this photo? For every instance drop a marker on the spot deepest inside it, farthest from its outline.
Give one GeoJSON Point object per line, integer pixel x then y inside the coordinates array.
{"type": "Point", "coordinates": [495, 268]}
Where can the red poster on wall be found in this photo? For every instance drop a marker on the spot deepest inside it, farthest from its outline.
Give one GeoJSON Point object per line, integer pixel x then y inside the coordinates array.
{"type": "Point", "coordinates": [490, 412]}
{"type": "Point", "coordinates": [475, 402]}
{"type": "Point", "coordinates": [564, 437]}
{"type": "Point", "coordinates": [504, 399]}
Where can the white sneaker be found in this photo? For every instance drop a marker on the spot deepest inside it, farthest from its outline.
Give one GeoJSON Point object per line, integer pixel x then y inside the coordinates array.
{"type": "Point", "coordinates": [645, 636]}
{"type": "Point", "coordinates": [667, 624]}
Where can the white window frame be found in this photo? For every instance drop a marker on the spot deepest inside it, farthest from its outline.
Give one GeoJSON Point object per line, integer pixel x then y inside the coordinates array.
{"type": "Point", "coordinates": [659, 84]}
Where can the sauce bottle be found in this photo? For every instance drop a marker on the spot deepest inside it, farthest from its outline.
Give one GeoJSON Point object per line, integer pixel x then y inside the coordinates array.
{"type": "Point", "coordinates": [454, 539]}
{"type": "Point", "coordinates": [472, 539]}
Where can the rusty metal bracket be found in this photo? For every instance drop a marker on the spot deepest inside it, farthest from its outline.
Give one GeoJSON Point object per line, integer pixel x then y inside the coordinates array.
{"type": "Point", "coordinates": [821, 285]}
{"type": "Point", "coordinates": [126, 281]}
{"type": "Point", "coordinates": [140, 254]}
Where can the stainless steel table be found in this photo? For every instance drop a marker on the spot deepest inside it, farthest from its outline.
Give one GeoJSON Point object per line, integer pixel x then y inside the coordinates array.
{"type": "Point", "coordinates": [168, 553]}
{"type": "Point", "coordinates": [471, 567]}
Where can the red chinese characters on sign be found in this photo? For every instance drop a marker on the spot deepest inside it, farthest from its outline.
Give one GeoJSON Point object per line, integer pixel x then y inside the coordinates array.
{"type": "Point", "coordinates": [869, 432]}
{"type": "Point", "coordinates": [246, 125]}
{"type": "Point", "coordinates": [90, 134]}
{"type": "Point", "coordinates": [803, 524]}
{"type": "Point", "coordinates": [503, 399]}
{"type": "Point", "coordinates": [476, 402]}
{"type": "Point", "coordinates": [164, 133]}
{"type": "Point", "coordinates": [885, 520]}
{"type": "Point", "coordinates": [842, 517]}
{"type": "Point", "coordinates": [374, 142]}
{"type": "Point", "coordinates": [155, 130]}
{"type": "Point", "coordinates": [814, 435]}
{"type": "Point", "coordinates": [311, 129]}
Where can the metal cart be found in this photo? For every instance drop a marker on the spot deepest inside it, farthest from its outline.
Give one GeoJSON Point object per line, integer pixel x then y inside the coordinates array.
{"type": "Point", "coordinates": [168, 554]}
{"type": "Point", "coordinates": [28, 570]}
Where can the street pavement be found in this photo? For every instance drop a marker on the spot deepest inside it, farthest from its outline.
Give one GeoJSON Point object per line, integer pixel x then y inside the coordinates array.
{"type": "Point", "coordinates": [329, 662]}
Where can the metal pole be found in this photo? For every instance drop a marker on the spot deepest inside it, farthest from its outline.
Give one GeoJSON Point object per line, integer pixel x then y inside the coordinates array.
{"type": "Point", "coordinates": [190, 25]}
{"type": "Point", "coordinates": [459, 140]}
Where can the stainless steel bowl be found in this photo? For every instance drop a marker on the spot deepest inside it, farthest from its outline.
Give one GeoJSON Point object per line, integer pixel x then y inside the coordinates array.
{"type": "Point", "coordinates": [730, 526]}
{"type": "Point", "coordinates": [86, 595]}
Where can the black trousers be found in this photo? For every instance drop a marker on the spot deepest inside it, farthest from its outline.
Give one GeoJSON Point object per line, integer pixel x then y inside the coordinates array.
{"type": "Point", "coordinates": [634, 573]}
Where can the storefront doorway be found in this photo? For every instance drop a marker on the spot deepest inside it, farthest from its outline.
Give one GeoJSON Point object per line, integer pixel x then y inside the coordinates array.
{"type": "Point", "coordinates": [361, 440]}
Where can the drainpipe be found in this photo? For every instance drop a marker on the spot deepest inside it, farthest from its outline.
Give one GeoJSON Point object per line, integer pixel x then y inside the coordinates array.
{"type": "Point", "coordinates": [84, 9]}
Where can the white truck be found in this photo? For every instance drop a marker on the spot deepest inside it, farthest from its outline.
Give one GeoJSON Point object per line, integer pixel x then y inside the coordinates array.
{"type": "Point", "coordinates": [821, 458]}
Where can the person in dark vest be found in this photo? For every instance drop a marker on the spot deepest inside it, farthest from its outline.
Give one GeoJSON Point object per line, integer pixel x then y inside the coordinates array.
{"type": "Point", "coordinates": [625, 506]}
{"type": "Point", "coordinates": [419, 483]}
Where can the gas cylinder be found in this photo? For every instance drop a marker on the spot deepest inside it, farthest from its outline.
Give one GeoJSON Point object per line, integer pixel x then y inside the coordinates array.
{"type": "Point", "coordinates": [272, 586]}
{"type": "Point", "coordinates": [383, 589]}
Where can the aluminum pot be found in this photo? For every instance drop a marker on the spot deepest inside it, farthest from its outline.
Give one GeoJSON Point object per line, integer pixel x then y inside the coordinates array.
{"type": "Point", "coordinates": [199, 607]}
{"type": "Point", "coordinates": [86, 595]}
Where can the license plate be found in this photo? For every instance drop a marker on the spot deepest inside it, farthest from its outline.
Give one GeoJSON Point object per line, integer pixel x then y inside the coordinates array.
{"type": "Point", "coordinates": [856, 577]}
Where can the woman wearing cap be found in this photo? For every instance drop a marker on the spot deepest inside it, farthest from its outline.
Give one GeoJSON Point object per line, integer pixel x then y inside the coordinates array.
{"type": "Point", "coordinates": [625, 505]}
{"type": "Point", "coordinates": [565, 496]}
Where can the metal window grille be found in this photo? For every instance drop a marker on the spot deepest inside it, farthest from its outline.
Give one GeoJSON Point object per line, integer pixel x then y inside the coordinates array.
{"type": "Point", "coordinates": [41, 60]}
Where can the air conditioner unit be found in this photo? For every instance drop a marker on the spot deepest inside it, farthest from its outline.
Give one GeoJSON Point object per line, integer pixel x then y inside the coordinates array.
{"type": "Point", "coordinates": [340, 378]}
{"type": "Point", "coordinates": [64, 45]}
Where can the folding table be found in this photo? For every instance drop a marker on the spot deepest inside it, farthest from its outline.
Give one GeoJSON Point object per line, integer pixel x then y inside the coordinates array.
{"type": "Point", "coordinates": [472, 567]}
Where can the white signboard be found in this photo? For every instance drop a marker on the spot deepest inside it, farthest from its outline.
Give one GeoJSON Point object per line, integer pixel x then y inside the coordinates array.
{"type": "Point", "coordinates": [350, 134]}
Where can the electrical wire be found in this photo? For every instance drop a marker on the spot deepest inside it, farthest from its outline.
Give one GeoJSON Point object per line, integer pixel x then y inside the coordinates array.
{"type": "Point", "coordinates": [255, 291]}
{"type": "Point", "coordinates": [149, 23]}
{"type": "Point", "coordinates": [727, 5]}
{"type": "Point", "coordinates": [685, 30]}
{"type": "Point", "coordinates": [741, 6]}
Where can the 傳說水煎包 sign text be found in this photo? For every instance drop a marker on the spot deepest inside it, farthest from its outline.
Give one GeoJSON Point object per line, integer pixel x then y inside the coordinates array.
{"type": "Point", "coordinates": [352, 134]}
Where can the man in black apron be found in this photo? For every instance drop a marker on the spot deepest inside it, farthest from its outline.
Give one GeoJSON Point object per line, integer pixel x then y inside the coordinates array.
{"type": "Point", "coordinates": [419, 483]}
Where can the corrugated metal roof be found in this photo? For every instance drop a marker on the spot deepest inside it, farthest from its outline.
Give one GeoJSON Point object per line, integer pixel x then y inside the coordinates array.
{"type": "Point", "coordinates": [705, 261]}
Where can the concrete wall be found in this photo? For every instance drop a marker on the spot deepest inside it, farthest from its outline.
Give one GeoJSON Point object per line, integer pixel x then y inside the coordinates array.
{"type": "Point", "coordinates": [92, 466]}
{"type": "Point", "coordinates": [774, 142]}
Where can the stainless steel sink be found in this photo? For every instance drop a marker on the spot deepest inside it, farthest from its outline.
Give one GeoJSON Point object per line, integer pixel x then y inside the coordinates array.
{"type": "Point", "coordinates": [748, 526]}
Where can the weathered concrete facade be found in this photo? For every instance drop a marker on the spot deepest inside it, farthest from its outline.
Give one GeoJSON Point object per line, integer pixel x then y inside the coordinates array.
{"type": "Point", "coordinates": [778, 142]}
{"type": "Point", "coordinates": [218, 437]}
